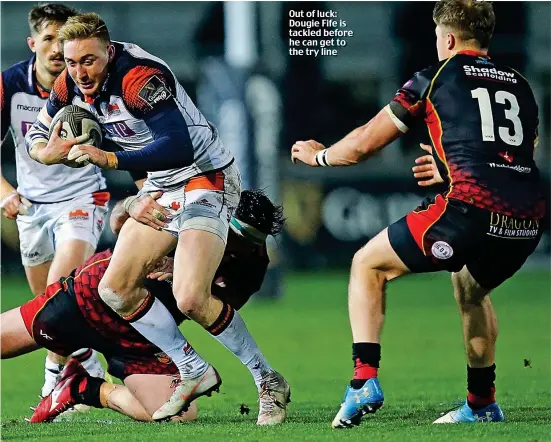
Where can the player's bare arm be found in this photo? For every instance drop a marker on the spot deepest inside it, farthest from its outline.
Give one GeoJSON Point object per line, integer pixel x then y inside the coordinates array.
{"type": "Point", "coordinates": [355, 147]}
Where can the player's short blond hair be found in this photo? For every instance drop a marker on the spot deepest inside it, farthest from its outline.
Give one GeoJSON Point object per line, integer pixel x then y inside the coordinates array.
{"type": "Point", "coordinates": [470, 19]}
{"type": "Point", "coordinates": [82, 26]}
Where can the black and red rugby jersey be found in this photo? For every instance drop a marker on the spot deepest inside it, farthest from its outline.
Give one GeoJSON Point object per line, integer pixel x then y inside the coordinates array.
{"type": "Point", "coordinates": [482, 118]}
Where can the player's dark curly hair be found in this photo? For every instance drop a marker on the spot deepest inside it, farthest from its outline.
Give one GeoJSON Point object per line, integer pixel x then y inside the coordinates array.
{"type": "Point", "coordinates": [48, 12]}
{"type": "Point", "coordinates": [257, 210]}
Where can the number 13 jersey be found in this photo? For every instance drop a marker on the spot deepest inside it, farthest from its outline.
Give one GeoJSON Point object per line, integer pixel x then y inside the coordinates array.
{"type": "Point", "coordinates": [482, 119]}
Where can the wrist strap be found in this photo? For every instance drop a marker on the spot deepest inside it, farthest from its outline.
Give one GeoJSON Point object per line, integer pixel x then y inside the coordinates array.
{"type": "Point", "coordinates": [128, 202]}
{"type": "Point", "coordinates": [112, 160]}
{"type": "Point", "coordinates": [321, 158]}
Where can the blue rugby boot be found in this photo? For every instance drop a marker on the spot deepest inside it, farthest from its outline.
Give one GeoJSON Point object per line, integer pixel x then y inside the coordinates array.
{"type": "Point", "coordinates": [358, 402]}
{"type": "Point", "coordinates": [465, 414]}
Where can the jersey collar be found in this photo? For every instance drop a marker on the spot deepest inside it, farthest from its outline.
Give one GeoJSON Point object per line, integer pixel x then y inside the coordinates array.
{"type": "Point", "coordinates": [473, 53]}
{"type": "Point", "coordinates": [32, 81]}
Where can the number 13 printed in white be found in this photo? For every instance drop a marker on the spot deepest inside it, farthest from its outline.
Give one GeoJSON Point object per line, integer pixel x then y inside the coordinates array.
{"type": "Point", "coordinates": [488, 134]}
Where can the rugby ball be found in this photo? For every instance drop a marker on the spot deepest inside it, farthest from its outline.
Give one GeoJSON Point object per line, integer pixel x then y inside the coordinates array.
{"type": "Point", "coordinates": [76, 121]}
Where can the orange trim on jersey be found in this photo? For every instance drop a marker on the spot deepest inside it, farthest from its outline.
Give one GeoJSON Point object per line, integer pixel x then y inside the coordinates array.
{"type": "Point", "coordinates": [420, 222]}
{"type": "Point", "coordinates": [101, 198]}
{"type": "Point", "coordinates": [60, 87]}
{"type": "Point", "coordinates": [44, 93]}
{"type": "Point", "coordinates": [475, 53]}
{"type": "Point", "coordinates": [133, 82]}
{"type": "Point", "coordinates": [211, 181]}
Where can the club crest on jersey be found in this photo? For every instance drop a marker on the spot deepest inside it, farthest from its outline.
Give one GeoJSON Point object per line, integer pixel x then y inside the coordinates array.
{"type": "Point", "coordinates": [175, 205]}
{"type": "Point", "coordinates": [154, 91]}
{"type": "Point", "coordinates": [78, 214]}
{"type": "Point", "coordinates": [113, 109]}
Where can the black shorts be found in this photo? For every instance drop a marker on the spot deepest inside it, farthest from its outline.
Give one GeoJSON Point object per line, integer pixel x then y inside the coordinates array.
{"type": "Point", "coordinates": [444, 234]}
{"type": "Point", "coordinates": [56, 322]}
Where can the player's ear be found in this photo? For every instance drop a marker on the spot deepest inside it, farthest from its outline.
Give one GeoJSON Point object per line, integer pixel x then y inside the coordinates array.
{"type": "Point", "coordinates": [31, 43]}
{"type": "Point", "coordinates": [111, 52]}
{"type": "Point", "coordinates": [450, 41]}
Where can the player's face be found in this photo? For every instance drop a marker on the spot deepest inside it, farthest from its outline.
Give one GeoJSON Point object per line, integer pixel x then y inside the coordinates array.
{"type": "Point", "coordinates": [442, 44]}
{"type": "Point", "coordinates": [47, 47]}
{"type": "Point", "coordinates": [87, 62]}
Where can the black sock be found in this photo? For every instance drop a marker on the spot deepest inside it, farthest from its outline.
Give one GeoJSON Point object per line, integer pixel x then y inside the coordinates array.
{"type": "Point", "coordinates": [480, 381]}
{"type": "Point", "coordinates": [91, 394]}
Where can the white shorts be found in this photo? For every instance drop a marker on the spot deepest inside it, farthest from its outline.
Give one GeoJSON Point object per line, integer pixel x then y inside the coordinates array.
{"type": "Point", "coordinates": [48, 225]}
{"type": "Point", "coordinates": [204, 202]}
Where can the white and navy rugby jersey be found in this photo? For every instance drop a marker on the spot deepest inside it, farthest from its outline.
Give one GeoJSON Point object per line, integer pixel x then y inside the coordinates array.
{"type": "Point", "coordinates": [142, 105]}
{"type": "Point", "coordinates": [21, 99]}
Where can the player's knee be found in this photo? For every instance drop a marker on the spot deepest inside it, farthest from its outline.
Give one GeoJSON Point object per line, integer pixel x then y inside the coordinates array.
{"type": "Point", "coordinates": [114, 299]}
{"type": "Point", "coordinates": [191, 306]}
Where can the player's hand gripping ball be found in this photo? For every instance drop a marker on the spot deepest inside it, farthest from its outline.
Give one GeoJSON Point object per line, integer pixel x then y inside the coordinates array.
{"type": "Point", "coordinates": [77, 123]}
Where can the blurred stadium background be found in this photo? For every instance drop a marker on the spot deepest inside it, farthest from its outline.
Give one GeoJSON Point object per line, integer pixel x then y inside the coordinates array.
{"type": "Point", "coordinates": [233, 60]}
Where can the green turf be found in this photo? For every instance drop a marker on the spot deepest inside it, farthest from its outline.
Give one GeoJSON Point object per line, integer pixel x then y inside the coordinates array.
{"type": "Point", "coordinates": [306, 336]}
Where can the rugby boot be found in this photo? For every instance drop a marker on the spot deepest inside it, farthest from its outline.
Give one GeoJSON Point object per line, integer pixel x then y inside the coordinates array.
{"type": "Point", "coordinates": [187, 391]}
{"type": "Point", "coordinates": [466, 415]}
{"type": "Point", "coordinates": [274, 395]}
{"type": "Point", "coordinates": [359, 402]}
{"type": "Point", "coordinates": [72, 381]}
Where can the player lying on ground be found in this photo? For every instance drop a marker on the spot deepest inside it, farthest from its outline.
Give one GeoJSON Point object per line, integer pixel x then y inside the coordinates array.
{"type": "Point", "coordinates": [60, 212]}
{"type": "Point", "coordinates": [482, 118]}
{"type": "Point", "coordinates": [145, 111]}
{"type": "Point", "coordinates": [71, 314]}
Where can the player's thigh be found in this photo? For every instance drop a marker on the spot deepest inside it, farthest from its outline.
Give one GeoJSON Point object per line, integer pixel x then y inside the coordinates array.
{"type": "Point", "coordinates": [197, 258]}
{"type": "Point", "coordinates": [466, 289]}
{"type": "Point", "coordinates": [378, 254]}
{"type": "Point", "coordinates": [68, 256]}
{"type": "Point", "coordinates": [15, 339]}
{"type": "Point", "coordinates": [153, 390]}
{"type": "Point", "coordinates": [37, 276]}
{"type": "Point", "coordinates": [137, 249]}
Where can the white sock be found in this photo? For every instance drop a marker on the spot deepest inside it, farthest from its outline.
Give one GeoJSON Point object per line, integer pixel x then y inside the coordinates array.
{"type": "Point", "coordinates": [237, 339]}
{"type": "Point", "coordinates": [51, 371]}
{"type": "Point", "coordinates": [159, 327]}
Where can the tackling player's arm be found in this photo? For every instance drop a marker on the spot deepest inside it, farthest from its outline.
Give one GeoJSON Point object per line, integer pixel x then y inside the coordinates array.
{"type": "Point", "coordinates": [388, 125]}
{"type": "Point", "coordinates": [54, 149]}
{"type": "Point", "coordinates": [139, 207]}
{"type": "Point", "coordinates": [150, 95]}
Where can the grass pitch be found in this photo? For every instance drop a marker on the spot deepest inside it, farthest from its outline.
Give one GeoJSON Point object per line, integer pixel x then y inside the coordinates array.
{"type": "Point", "coordinates": [306, 337]}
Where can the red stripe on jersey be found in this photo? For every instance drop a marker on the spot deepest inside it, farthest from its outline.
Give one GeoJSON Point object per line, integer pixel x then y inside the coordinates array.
{"type": "Point", "coordinates": [420, 221]}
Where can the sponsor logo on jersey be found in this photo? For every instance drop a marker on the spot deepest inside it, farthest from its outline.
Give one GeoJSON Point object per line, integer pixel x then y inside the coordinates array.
{"type": "Point", "coordinates": [30, 255]}
{"type": "Point", "coordinates": [175, 205]}
{"type": "Point", "coordinates": [203, 202]}
{"type": "Point", "coordinates": [154, 91]}
{"type": "Point", "coordinates": [25, 126]}
{"type": "Point", "coordinates": [78, 214]}
{"type": "Point", "coordinates": [441, 250]}
{"type": "Point", "coordinates": [27, 108]}
{"type": "Point", "coordinates": [490, 73]}
{"type": "Point", "coordinates": [504, 226]}
{"type": "Point", "coordinates": [119, 128]}
{"type": "Point", "coordinates": [521, 169]}
{"type": "Point", "coordinates": [506, 156]}
{"type": "Point", "coordinates": [188, 348]}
